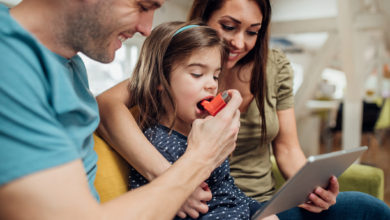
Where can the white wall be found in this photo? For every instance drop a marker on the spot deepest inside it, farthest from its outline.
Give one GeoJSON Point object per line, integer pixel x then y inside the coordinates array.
{"type": "Point", "coordinates": [10, 3]}
{"type": "Point", "coordinates": [283, 10]}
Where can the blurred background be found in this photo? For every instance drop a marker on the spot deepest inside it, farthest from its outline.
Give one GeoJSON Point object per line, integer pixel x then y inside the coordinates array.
{"type": "Point", "coordinates": [339, 50]}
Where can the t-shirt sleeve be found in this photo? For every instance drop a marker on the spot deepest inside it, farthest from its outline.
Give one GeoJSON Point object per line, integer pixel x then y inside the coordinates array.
{"type": "Point", "coordinates": [284, 78]}
{"type": "Point", "coordinates": [31, 137]}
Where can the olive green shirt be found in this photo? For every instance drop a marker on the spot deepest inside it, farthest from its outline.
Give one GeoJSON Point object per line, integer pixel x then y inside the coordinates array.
{"type": "Point", "coordinates": [250, 162]}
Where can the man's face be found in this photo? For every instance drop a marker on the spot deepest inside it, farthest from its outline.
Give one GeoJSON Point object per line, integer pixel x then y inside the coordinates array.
{"type": "Point", "coordinates": [99, 28]}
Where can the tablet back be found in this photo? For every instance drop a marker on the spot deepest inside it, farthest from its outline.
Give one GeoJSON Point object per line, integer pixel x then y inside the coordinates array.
{"type": "Point", "coordinates": [316, 172]}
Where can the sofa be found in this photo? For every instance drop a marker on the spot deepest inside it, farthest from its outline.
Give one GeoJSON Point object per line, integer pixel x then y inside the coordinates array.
{"type": "Point", "coordinates": [112, 175]}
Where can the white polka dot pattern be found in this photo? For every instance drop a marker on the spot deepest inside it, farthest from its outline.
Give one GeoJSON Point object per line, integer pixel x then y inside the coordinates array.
{"type": "Point", "coordinates": [228, 201]}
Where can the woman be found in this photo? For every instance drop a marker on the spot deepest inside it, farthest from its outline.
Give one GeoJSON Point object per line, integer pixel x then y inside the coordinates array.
{"type": "Point", "coordinates": [266, 88]}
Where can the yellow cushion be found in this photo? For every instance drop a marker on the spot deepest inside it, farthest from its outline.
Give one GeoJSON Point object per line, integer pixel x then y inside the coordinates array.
{"type": "Point", "coordinates": [112, 171]}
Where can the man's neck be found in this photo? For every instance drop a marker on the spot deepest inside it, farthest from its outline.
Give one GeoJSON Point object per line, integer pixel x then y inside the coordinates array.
{"type": "Point", "coordinates": [45, 22]}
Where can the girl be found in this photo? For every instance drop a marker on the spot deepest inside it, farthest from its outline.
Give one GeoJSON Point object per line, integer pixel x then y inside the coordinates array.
{"type": "Point", "coordinates": [179, 67]}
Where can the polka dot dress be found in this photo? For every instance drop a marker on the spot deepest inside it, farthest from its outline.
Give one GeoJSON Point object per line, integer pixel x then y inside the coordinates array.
{"type": "Point", "coordinates": [228, 201]}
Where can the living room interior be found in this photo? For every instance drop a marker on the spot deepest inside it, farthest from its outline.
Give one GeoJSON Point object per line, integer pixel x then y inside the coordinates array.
{"type": "Point", "coordinates": [340, 53]}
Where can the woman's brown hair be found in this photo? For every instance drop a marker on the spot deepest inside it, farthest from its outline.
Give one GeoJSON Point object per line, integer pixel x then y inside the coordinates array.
{"type": "Point", "coordinates": [203, 9]}
{"type": "Point", "coordinates": [165, 47]}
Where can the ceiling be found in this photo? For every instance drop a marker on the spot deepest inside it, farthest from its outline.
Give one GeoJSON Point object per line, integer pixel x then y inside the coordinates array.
{"type": "Point", "coordinates": [301, 25]}
{"type": "Point", "coordinates": [319, 17]}
{"type": "Point", "coordinates": [304, 24]}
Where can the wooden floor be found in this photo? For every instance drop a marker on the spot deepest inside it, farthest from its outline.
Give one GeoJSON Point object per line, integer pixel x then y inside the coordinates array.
{"type": "Point", "coordinates": [378, 154]}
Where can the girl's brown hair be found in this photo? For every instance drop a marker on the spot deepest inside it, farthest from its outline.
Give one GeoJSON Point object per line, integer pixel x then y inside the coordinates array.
{"type": "Point", "coordinates": [203, 9]}
{"type": "Point", "coordinates": [165, 47]}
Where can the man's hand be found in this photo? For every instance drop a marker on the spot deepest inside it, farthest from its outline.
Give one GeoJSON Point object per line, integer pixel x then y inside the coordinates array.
{"type": "Point", "coordinates": [212, 139]}
{"type": "Point", "coordinates": [321, 199]}
{"type": "Point", "coordinates": [196, 203]}
{"type": "Point", "coordinates": [210, 142]}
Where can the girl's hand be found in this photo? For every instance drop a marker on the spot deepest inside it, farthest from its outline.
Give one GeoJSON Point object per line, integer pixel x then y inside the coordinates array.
{"type": "Point", "coordinates": [196, 203]}
{"type": "Point", "coordinates": [321, 199]}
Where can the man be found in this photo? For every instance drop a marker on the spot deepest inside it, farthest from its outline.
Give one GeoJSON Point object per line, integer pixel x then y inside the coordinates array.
{"type": "Point", "coordinates": [48, 115]}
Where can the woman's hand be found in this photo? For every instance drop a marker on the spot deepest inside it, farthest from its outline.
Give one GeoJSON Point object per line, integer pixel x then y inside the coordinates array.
{"type": "Point", "coordinates": [196, 203]}
{"type": "Point", "coordinates": [321, 199]}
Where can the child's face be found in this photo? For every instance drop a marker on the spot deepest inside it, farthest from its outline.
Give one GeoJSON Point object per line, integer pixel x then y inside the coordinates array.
{"type": "Point", "coordinates": [192, 81]}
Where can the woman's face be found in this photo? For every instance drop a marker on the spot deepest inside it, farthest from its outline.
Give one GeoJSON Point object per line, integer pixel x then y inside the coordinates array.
{"type": "Point", "coordinates": [238, 22]}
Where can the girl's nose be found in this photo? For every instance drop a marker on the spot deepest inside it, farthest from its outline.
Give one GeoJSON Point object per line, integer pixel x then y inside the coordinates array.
{"type": "Point", "coordinates": [211, 84]}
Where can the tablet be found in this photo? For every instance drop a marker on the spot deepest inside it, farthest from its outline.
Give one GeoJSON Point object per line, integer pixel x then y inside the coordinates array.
{"type": "Point", "coordinates": [316, 172]}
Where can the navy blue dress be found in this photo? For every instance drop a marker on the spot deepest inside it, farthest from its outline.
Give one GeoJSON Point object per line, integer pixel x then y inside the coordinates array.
{"type": "Point", "coordinates": [228, 201]}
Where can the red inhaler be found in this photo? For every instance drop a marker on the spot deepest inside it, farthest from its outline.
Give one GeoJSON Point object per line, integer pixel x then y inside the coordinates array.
{"type": "Point", "coordinates": [215, 105]}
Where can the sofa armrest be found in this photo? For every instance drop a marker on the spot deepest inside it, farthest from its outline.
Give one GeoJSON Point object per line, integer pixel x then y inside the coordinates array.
{"type": "Point", "coordinates": [363, 178]}
{"type": "Point", "coordinates": [112, 171]}
{"type": "Point", "coordinates": [357, 177]}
